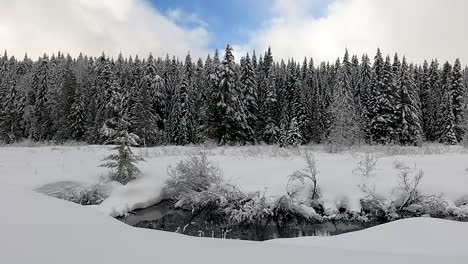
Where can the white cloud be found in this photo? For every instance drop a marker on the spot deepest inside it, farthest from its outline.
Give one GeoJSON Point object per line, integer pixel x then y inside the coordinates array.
{"type": "Point", "coordinates": [93, 26]}
{"type": "Point", "coordinates": [419, 29]}
{"type": "Point", "coordinates": [180, 16]}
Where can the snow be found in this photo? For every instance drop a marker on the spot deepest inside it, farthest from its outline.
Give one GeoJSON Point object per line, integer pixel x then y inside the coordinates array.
{"type": "Point", "coordinates": [139, 193]}
{"type": "Point", "coordinates": [40, 229]}
{"type": "Point", "coordinates": [410, 236]}
{"type": "Point", "coordinates": [35, 228]}
{"type": "Point", "coordinates": [257, 168]}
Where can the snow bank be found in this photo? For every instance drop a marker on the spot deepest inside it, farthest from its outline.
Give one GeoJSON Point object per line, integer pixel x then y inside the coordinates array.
{"type": "Point", "coordinates": [140, 193]}
{"type": "Point", "coordinates": [424, 235]}
{"type": "Point", "coordinates": [39, 229]}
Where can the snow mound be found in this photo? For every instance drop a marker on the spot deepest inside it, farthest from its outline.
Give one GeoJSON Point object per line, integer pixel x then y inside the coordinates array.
{"type": "Point", "coordinates": [409, 236]}
{"type": "Point", "coordinates": [140, 193]}
{"type": "Point", "coordinates": [40, 229]}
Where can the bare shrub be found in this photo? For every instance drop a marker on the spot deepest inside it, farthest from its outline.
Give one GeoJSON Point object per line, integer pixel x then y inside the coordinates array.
{"type": "Point", "coordinates": [409, 180]}
{"type": "Point", "coordinates": [310, 173]}
{"type": "Point", "coordinates": [377, 204]}
{"type": "Point", "coordinates": [367, 166]}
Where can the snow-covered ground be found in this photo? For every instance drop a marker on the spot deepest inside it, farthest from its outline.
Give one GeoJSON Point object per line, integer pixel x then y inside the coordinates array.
{"type": "Point", "coordinates": [263, 169]}
{"type": "Point", "coordinates": [38, 229]}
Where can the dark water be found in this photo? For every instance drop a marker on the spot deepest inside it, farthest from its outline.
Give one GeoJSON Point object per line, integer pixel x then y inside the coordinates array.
{"type": "Point", "coordinates": [163, 216]}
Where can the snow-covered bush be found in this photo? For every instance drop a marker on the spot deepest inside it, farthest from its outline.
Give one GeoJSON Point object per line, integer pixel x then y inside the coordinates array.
{"type": "Point", "coordinates": [197, 184]}
{"type": "Point", "coordinates": [250, 209]}
{"type": "Point", "coordinates": [91, 195]}
{"type": "Point", "coordinates": [286, 208]}
{"type": "Point", "coordinates": [195, 174]}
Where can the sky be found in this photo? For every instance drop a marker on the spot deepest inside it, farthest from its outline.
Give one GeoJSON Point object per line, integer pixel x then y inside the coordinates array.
{"type": "Point", "coordinates": [321, 29]}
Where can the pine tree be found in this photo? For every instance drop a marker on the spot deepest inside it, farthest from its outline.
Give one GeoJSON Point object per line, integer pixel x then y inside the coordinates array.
{"type": "Point", "coordinates": [384, 124]}
{"type": "Point", "coordinates": [122, 164]}
{"type": "Point", "coordinates": [77, 118]}
{"type": "Point", "coordinates": [99, 94]}
{"type": "Point", "coordinates": [41, 119]}
{"type": "Point", "coordinates": [248, 82]}
{"type": "Point", "coordinates": [229, 119]}
{"type": "Point", "coordinates": [179, 118]}
{"type": "Point", "coordinates": [445, 119]}
{"type": "Point", "coordinates": [431, 96]}
{"type": "Point", "coordinates": [345, 128]}
{"type": "Point", "coordinates": [294, 137]}
{"type": "Point", "coordinates": [366, 97]}
{"type": "Point", "coordinates": [11, 115]}
{"type": "Point", "coordinates": [459, 100]}
{"type": "Point", "coordinates": [67, 96]}
{"type": "Point", "coordinates": [144, 120]}
{"type": "Point", "coordinates": [409, 107]}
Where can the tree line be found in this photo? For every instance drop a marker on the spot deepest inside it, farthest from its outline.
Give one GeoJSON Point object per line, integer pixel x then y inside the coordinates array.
{"type": "Point", "coordinates": [258, 100]}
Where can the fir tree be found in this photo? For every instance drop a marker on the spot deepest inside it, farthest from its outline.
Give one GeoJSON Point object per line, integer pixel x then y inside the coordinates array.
{"type": "Point", "coordinates": [345, 128]}
{"type": "Point", "coordinates": [294, 137]}
{"type": "Point", "coordinates": [366, 97]}
{"type": "Point", "coordinates": [445, 119]}
{"type": "Point", "coordinates": [41, 119]}
{"type": "Point", "coordinates": [122, 164]}
{"type": "Point", "coordinates": [77, 118]}
{"type": "Point", "coordinates": [459, 100]}
{"type": "Point", "coordinates": [248, 84]}
{"type": "Point", "coordinates": [409, 107]}
{"type": "Point", "coordinates": [229, 119]}
{"type": "Point", "coordinates": [430, 100]}
{"type": "Point", "coordinates": [384, 124]}
{"type": "Point", "coordinates": [179, 118]}
{"type": "Point", "coordinates": [67, 97]}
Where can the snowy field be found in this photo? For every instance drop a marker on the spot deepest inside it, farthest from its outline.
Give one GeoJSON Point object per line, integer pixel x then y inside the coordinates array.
{"type": "Point", "coordinates": [38, 229]}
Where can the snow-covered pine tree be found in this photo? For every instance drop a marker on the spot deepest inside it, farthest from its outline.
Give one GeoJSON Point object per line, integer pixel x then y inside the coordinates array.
{"type": "Point", "coordinates": [459, 100]}
{"type": "Point", "coordinates": [267, 101]}
{"type": "Point", "coordinates": [409, 107]}
{"type": "Point", "coordinates": [345, 129]}
{"type": "Point", "coordinates": [41, 119]}
{"type": "Point", "coordinates": [424, 93]}
{"type": "Point", "coordinates": [366, 97]}
{"type": "Point", "coordinates": [144, 120]}
{"type": "Point", "coordinates": [99, 96]}
{"type": "Point", "coordinates": [11, 111]}
{"type": "Point", "coordinates": [67, 96]}
{"type": "Point", "coordinates": [445, 119]}
{"type": "Point", "coordinates": [113, 113]}
{"type": "Point", "coordinates": [297, 105]}
{"type": "Point", "coordinates": [199, 106]}
{"type": "Point", "coordinates": [122, 164]}
{"type": "Point", "coordinates": [430, 100]}
{"type": "Point", "coordinates": [270, 132]}
{"type": "Point", "coordinates": [385, 113]}
{"type": "Point", "coordinates": [77, 118]}
{"type": "Point", "coordinates": [248, 82]}
{"type": "Point", "coordinates": [229, 120]}
{"type": "Point", "coordinates": [179, 128]}
{"type": "Point", "coordinates": [294, 137]}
